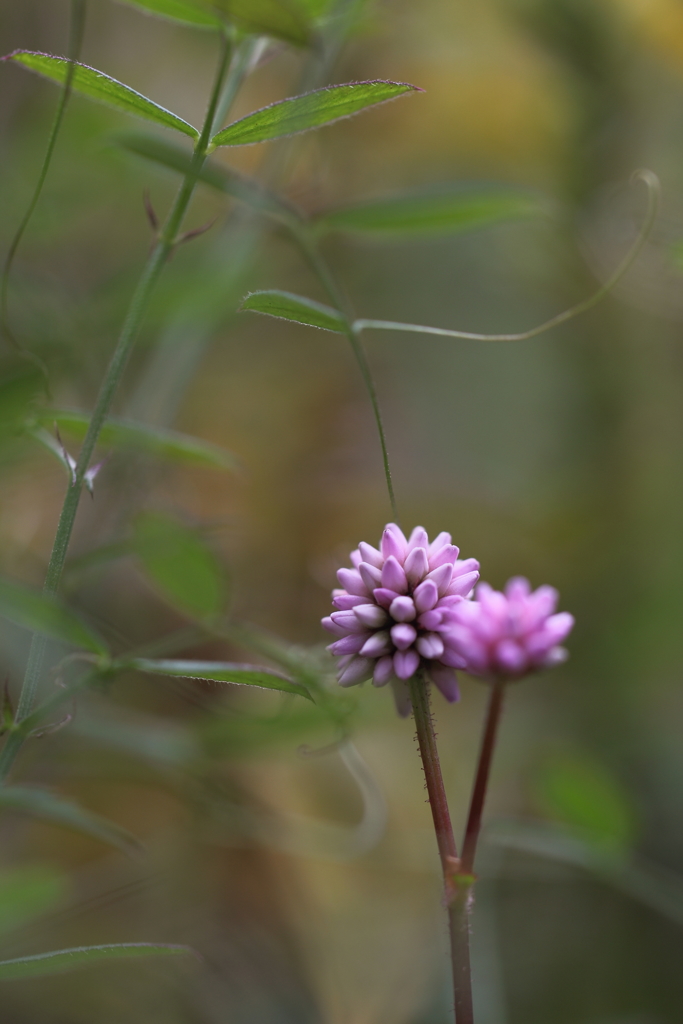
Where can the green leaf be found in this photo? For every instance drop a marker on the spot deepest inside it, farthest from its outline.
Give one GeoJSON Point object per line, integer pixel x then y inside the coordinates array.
{"type": "Point", "coordinates": [62, 960]}
{"type": "Point", "coordinates": [185, 11]}
{"type": "Point", "coordinates": [287, 306]}
{"type": "Point", "coordinates": [41, 803]}
{"type": "Point", "coordinates": [27, 893]}
{"type": "Point", "coordinates": [181, 565]}
{"type": "Point", "coordinates": [283, 19]}
{"type": "Point", "coordinates": [46, 615]}
{"type": "Point", "coordinates": [582, 794]}
{"type": "Point", "coordinates": [169, 444]}
{"type": "Point", "coordinates": [220, 672]}
{"type": "Point", "coordinates": [446, 211]}
{"type": "Point", "coordinates": [100, 87]}
{"type": "Point", "coordinates": [310, 110]}
{"type": "Point", "coordinates": [217, 175]}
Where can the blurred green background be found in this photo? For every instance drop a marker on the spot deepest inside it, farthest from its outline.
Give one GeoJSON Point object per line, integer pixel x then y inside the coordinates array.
{"type": "Point", "coordinates": [559, 458]}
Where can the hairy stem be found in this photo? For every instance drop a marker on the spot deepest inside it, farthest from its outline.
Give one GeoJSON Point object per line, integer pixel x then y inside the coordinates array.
{"type": "Point", "coordinates": [324, 275]}
{"type": "Point", "coordinates": [456, 894]}
{"type": "Point", "coordinates": [127, 338]}
{"type": "Point", "coordinates": [76, 32]}
{"type": "Point", "coordinates": [426, 739]}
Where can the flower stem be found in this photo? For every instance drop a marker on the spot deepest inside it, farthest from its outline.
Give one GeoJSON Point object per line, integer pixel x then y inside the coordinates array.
{"type": "Point", "coordinates": [127, 338]}
{"type": "Point", "coordinates": [488, 743]}
{"type": "Point", "coordinates": [460, 908]}
{"type": "Point", "coordinates": [426, 739]}
{"type": "Point", "coordinates": [76, 32]}
{"type": "Point", "coordinates": [322, 271]}
{"type": "Point", "coordinates": [450, 865]}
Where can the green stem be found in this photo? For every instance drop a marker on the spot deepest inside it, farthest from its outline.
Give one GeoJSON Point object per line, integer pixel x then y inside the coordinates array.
{"type": "Point", "coordinates": [76, 32]}
{"type": "Point", "coordinates": [127, 337]}
{"type": "Point", "coordinates": [324, 275]}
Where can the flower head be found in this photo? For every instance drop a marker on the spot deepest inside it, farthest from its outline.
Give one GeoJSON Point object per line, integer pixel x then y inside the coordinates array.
{"type": "Point", "coordinates": [509, 634]}
{"type": "Point", "coordinates": [393, 612]}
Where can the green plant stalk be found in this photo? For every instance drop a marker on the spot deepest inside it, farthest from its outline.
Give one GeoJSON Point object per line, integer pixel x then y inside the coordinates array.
{"type": "Point", "coordinates": [137, 309]}
{"type": "Point", "coordinates": [76, 32]}
{"type": "Point", "coordinates": [445, 840]}
{"type": "Point", "coordinates": [319, 266]}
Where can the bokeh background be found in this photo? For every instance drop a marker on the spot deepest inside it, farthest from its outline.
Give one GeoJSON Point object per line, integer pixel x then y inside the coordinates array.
{"type": "Point", "coordinates": [309, 884]}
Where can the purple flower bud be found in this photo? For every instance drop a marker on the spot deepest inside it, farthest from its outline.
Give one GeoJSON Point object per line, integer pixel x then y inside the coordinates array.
{"type": "Point", "coordinates": [461, 586]}
{"type": "Point", "coordinates": [510, 657]}
{"type": "Point", "coordinates": [393, 542]}
{"type": "Point", "coordinates": [395, 614]}
{"type": "Point", "coordinates": [352, 582]}
{"type": "Point", "coordinates": [440, 541]}
{"type": "Point", "coordinates": [430, 645]}
{"type": "Point", "coordinates": [333, 627]}
{"type": "Point", "coordinates": [441, 577]}
{"type": "Point", "coordinates": [406, 663]}
{"type": "Point", "coordinates": [403, 635]}
{"type": "Point", "coordinates": [507, 634]}
{"type": "Point", "coordinates": [342, 600]}
{"type": "Point", "coordinates": [446, 680]}
{"type": "Point", "coordinates": [418, 539]}
{"type": "Point", "coordinates": [384, 670]}
{"type": "Point", "coordinates": [384, 597]}
{"type": "Point", "coordinates": [371, 576]}
{"type": "Point", "coordinates": [377, 645]}
{"type": "Point", "coordinates": [402, 609]}
{"type": "Point", "coordinates": [348, 644]}
{"type": "Point", "coordinates": [416, 565]}
{"type": "Point", "coordinates": [348, 621]}
{"type": "Point", "coordinates": [426, 596]}
{"type": "Point", "coordinates": [356, 671]}
{"type": "Point", "coordinates": [371, 555]}
{"type": "Point", "coordinates": [393, 576]}
{"type": "Point", "coordinates": [371, 616]}
{"type": "Point", "coordinates": [447, 554]}
{"type": "Point", "coordinates": [402, 700]}
{"type": "Point", "coordinates": [430, 620]}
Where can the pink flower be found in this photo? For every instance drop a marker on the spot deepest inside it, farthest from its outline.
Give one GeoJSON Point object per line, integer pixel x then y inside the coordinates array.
{"type": "Point", "coordinates": [393, 612]}
{"type": "Point", "coordinates": [510, 634]}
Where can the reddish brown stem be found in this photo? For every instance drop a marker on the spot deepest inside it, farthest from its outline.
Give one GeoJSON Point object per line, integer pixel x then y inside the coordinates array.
{"type": "Point", "coordinates": [482, 777]}
{"type": "Point", "coordinates": [456, 898]}
{"type": "Point", "coordinates": [426, 738]}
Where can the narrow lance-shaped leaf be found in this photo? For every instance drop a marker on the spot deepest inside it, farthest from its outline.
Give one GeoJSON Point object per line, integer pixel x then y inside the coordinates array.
{"type": "Point", "coordinates": [156, 440]}
{"type": "Point", "coordinates": [282, 19]}
{"type": "Point", "coordinates": [59, 961]}
{"type": "Point", "coordinates": [220, 672]}
{"type": "Point", "coordinates": [100, 87]}
{"type": "Point", "coordinates": [222, 178]}
{"type": "Point", "coordinates": [447, 211]}
{"type": "Point", "coordinates": [41, 803]}
{"type": "Point", "coordinates": [187, 12]}
{"type": "Point", "coordinates": [181, 565]}
{"type": "Point", "coordinates": [286, 306]}
{"type": "Point", "coordinates": [310, 110]}
{"type": "Point", "coordinates": [46, 615]}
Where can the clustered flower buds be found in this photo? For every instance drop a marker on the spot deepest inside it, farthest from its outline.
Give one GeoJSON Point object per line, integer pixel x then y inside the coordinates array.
{"type": "Point", "coordinates": [406, 606]}
{"type": "Point", "coordinates": [510, 634]}
{"type": "Point", "coordinates": [393, 613]}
